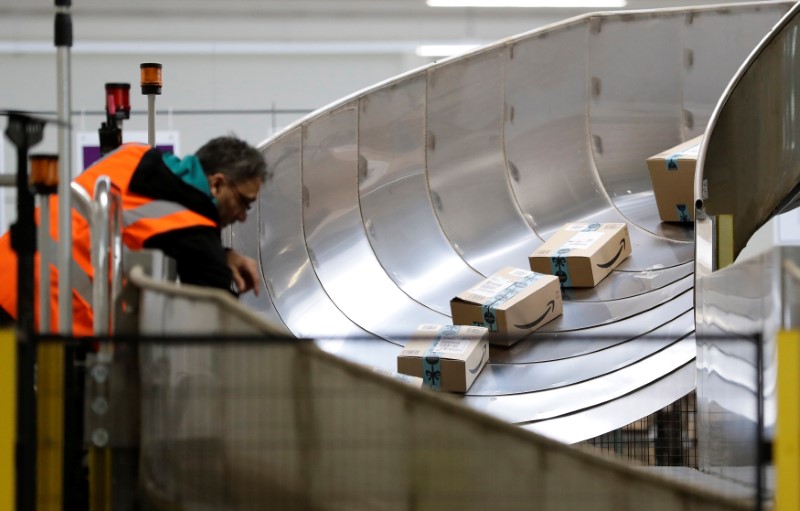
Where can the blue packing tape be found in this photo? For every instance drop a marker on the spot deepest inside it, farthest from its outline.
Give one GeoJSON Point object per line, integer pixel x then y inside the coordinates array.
{"type": "Point", "coordinates": [432, 363]}
{"type": "Point", "coordinates": [559, 268]}
{"type": "Point", "coordinates": [432, 370]}
{"type": "Point", "coordinates": [558, 261]}
{"type": "Point", "coordinates": [488, 308]}
{"type": "Point", "coordinates": [672, 161]}
{"type": "Point", "coordinates": [683, 213]}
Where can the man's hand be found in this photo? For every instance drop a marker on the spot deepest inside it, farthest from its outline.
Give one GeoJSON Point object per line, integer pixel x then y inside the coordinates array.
{"type": "Point", "coordinates": [245, 272]}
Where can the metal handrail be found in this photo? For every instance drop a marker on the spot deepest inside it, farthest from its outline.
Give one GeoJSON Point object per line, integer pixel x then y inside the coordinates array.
{"type": "Point", "coordinates": [82, 201]}
{"type": "Point", "coordinates": [103, 213]}
{"type": "Point", "coordinates": [106, 252]}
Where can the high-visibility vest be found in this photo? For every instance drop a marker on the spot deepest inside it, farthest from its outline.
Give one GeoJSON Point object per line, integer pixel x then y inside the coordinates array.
{"type": "Point", "coordinates": [142, 218]}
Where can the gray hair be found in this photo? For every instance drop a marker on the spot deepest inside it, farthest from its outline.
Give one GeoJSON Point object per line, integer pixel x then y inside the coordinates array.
{"type": "Point", "coordinates": [235, 158]}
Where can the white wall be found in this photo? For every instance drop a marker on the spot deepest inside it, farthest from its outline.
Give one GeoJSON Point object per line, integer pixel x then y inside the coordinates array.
{"type": "Point", "coordinates": [291, 54]}
{"type": "Point", "coordinates": [191, 83]}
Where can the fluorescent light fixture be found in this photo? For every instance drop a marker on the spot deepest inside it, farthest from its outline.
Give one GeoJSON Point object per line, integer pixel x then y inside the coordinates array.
{"type": "Point", "coordinates": [443, 50]}
{"type": "Point", "coordinates": [563, 4]}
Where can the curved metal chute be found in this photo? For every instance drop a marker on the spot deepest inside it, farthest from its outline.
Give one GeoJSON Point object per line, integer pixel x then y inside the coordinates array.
{"type": "Point", "coordinates": [748, 173]}
{"type": "Point", "coordinates": [749, 165]}
{"type": "Point", "coordinates": [383, 206]}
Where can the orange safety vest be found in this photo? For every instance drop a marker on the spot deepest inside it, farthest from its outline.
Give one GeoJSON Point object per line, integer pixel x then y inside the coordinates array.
{"type": "Point", "coordinates": [143, 217]}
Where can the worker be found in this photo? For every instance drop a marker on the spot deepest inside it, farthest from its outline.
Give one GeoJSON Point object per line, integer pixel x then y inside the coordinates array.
{"type": "Point", "coordinates": [174, 205]}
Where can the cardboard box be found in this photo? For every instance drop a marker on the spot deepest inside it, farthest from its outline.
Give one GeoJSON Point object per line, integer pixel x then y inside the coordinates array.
{"type": "Point", "coordinates": [672, 175]}
{"type": "Point", "coordinates": [511, 303]}
{"type": "Point", "coordinates": [446, 357]}
{"type": "Point", "coordinates": [414, 381]}
{"type": "Point", "coordinates": [581, 255]}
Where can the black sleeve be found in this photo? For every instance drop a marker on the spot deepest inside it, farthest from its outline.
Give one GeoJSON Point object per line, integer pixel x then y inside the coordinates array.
{"type": "Point", "coordinates": [201, 260]}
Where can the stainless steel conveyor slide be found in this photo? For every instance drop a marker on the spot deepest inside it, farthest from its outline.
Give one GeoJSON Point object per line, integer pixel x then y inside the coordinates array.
{"type": "Point", "coordinates": [381, 207]}
{"type": "Point", "coordinates": [748, 173]}
{"type": "Point", "coordinates": [246, 424]}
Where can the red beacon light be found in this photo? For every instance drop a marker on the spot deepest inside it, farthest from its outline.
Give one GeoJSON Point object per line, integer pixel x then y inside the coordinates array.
{"type": "Point", "coordinates": [118, 108]}
{"type": "Point", "coordinates": [118, 104]}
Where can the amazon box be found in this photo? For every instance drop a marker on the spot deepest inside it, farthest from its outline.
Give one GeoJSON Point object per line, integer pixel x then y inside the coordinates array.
{"type": "Point", "coordinates": [581, 255]}
{"type": "Point", "coordinates": [414, 381]}
{"type": "Point", "coordinates": [510, 304]}
{"type": "Point", "coordinates": [446, 357]}
{"type": "Point", "coordinates": [672, 175]}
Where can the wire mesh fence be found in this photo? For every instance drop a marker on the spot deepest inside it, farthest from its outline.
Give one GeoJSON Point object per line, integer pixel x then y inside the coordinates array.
{"type": "Point", "coordinates": [667, 438]}
{"type": "Point", "coordinates": [255, 423]}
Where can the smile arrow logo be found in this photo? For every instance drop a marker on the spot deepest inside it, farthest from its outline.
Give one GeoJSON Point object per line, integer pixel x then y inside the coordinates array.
{"type": "Point", "coordinates": [551, 306]}
{"type": "Point", "coordinates": [614, 259]}
{"type": "Point", "coordinates": [480, 362]}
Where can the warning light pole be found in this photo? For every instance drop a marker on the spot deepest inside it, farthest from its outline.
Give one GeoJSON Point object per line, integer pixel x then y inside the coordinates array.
{"type": "Point", "coordinates": [118, 108]}
{"type": "Point", "coordinates": [151, 87]}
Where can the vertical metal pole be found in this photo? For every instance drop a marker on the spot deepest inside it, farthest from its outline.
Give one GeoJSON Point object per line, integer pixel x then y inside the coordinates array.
{"type": "Point", "coordinates": [25, 243]}
{"type": "Point", "coordinates": [26, 397]}
{"type": "Point", "coordinates": [25, 132]}
{"type": "Point", "coordinates": [43, 233]}
{"type": "Point", "coordinates": [101, 241]}
{"type": "Point", "coordinates": [761, 461]}
{"type": "Point", "coordinates": [63, 42]}
{"type": "Point", "coordinates": [151, 120]}
{"type": "Point", "coordinates": [151, 87]}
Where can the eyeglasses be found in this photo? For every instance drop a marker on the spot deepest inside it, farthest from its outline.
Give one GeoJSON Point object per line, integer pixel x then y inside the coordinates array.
{"type": "Point", "coordinates": [244, 202]}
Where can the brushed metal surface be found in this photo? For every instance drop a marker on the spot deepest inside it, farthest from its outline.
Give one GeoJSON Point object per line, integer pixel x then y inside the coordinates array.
{"type": "Point", "coordinates": [736, 304]}
{"type": "Point", "coordinates": [548, 147]}
{"type": "Point", "coordinates": [466, 164]}
{"type": "Point", "coordinates": [385, 204]}
{"type": "Point", "coordinates": [562, 400]}
{"type": "Point", "coordinates": [335, 233]}
{"type": "Point", "coordinates": [241, 239]}
{"type": "Point", "coordinates": [290, 280]}
{"type": "Point", "coordinates": [594, 421]}
{"type": "Point", "coordinates": [516, 378]}
{"type": "Point", "coordinates": [755, 127]}
{"type": "Point", "coordinates": [548, 346]}
{"type": "Point", "coordinates": [749, 170]}
{"type": "Point", "coordinates": [396, 206]}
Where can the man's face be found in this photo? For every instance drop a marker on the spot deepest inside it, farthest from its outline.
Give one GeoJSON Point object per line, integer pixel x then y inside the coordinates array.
{"type": "Point", "coordinates": [234, 200]}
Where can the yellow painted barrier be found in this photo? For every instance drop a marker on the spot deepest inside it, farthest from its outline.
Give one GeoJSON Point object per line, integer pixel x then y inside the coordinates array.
{"type": "Point", "coordinates": [8, 416]}
{"type": "Point", "coordinates": [724, 241]}
{"type": "Point", "coordinates": [50, 426]}
{"type": "Point", "coordinates": [99, 479]}
{"type": "Point", "coordinates": [786, 447]}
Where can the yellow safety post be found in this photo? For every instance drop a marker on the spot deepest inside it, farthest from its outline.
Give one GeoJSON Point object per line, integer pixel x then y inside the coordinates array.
{"type": "Point", "coordinates": [50, 426]}
{"type": "Point", "coordinates": [724, 241]}
{"type": "Point", "coordinates": [786, 446]}
{"type": "Point", "coordinates": [99, 479]}
{"type": "Point", "coordinates": [8, 416]}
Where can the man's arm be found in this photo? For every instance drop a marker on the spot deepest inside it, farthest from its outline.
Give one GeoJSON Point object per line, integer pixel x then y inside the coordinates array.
{"type": "Point", "coordinates": [245, 271]}
{"type": "Point", "coordinates": [199, 255]}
